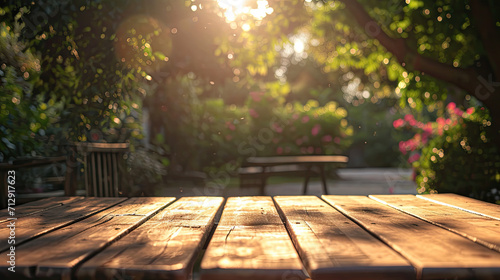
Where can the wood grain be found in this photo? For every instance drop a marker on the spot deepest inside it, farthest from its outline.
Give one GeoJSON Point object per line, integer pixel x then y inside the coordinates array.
{"type": "Point", "coordinates": [478, 228]}
{"type": "Point", "coordinates": [43, 222]}
{"type": "Point", "coordinates": [37, 206]}
{"type": "Point", "coordinates": [251, 242]}
{"type": "Point", "coordinates": [334, 247]}
{"type": "Point", "coordinates": [436, 253]}
{"type": "Point", "coordinates": [465, 203]}
{"type": "Point", "coordinates": [54, 255]}
{"type": "Point", "coordinates": [164, 247]}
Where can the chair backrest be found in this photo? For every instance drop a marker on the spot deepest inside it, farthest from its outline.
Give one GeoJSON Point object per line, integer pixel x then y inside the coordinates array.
{"type": "Point", "coordinates": [103, 163]}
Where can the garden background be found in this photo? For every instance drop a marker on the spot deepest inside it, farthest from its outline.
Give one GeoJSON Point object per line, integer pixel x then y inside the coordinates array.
{"type": "Point", "coordinates": [200, 85]}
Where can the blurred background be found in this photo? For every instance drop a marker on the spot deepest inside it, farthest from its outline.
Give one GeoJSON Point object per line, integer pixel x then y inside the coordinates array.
{"type": "Point", "coordinates": [195, 87]}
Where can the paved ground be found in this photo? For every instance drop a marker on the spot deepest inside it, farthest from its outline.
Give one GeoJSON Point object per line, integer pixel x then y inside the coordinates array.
{"type": "Point", "coordinates": [352, 182]}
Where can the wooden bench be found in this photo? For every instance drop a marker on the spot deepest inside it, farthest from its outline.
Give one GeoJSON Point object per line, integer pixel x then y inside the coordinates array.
{"type": "Point", "coordinates": [441, 236]}
{"type": "Point", "coordinates": [253, 175]}
{"type": "Point", "coordinates": [256, 170]}
{"type": "Point", "coordinates": [17, 166]}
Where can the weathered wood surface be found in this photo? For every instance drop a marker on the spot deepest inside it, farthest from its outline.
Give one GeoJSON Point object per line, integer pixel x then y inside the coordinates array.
{"type": "Point", "coordinates": [43, 222]}
{"type": "Point", "coordinates": [334, 247]}
{"type": "Point", "coordinates": [465, 203]}
{"type": "Point", "coordinates": [164, 247]}
{"type": "Point", "coordinates": [37, 206]}
{"type": "Point", "coordinates": [480, 229]}
{"type": "Point", "coordinates": [54, 255]}
{"type": "Point", "coordinates": [251, 242]}
{"type": "Point", "coordinates": [436, 253]}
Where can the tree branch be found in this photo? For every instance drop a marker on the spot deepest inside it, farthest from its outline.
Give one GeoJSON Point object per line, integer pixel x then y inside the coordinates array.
{"type": "Point", "coordinates": [483, 88]}
{"type": "Point", "coordinates": [411, 59]}
{"type": "Point", "coordinates": [490, 38]}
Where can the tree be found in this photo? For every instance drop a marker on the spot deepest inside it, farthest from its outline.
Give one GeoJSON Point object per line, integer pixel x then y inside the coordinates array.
{"type": "Point", "coordinates": [479, 79]}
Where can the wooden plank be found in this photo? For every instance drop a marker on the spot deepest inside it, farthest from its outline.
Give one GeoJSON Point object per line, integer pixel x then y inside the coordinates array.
{"type": "Point", "coordinates": [279, 160]}
{"type": "Point", "coordinates": [251, 243]}
{"type": "Point", "coordinates": [436, 253]}
{"type": "Point", "coordinates": [99, 175]}
{"type": "Point", "coordinates": [102, 147]}
{"type": "Point", "coordinates": [465, 203]}
{"type": "Point", "coordinates": [165, 247]}
{"type": "Point", "coordinates": [115, 177]}
{"type": "Point", "coordinates": [480, 229]}
{"type": "Point", "coordinates": [94, 175]}
{"type": "Point", "coordinates": [43, 222]}
{"type": "Point", "coordinates": [250, 211]}
{"type": "Point", "coordinates": [56, 254]}
{"type": "Point", "coordinates": [85, 174]}
{"type": "Point", "coordinates": [37, 206]}
{"type": "Point", "coordinates": [105, 174]}
{"type": "Point", "coordinates": [334, 247]}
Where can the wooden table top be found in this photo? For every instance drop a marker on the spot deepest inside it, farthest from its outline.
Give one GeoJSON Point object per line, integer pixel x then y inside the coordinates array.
{"type": "Point", "coordinates": [260, 237]}
{"type": "Point", "coordinates": [311, 159]}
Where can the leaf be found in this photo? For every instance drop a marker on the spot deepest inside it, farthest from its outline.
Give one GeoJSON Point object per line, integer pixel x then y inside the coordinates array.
{"type": "Point", "coordinates": [8, 143]}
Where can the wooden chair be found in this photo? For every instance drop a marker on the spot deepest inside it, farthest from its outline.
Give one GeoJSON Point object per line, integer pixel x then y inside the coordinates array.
{"type": "Point", "coordinates": [102, 165]}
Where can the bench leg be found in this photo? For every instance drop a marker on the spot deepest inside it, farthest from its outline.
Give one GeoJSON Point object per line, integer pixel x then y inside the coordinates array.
{"type": "Point", "coordinates": [306, 180]}
{"type": "Point", "coordinates": [263, 180]}
{"type": "Point", "coordinates": [323, 178]}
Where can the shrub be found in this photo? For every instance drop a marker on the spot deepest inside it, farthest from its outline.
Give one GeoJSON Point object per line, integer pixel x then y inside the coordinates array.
{"type": "Point", "coordinates": [297, 129]}
{"type": "Point", "coordinates": [454, 154]}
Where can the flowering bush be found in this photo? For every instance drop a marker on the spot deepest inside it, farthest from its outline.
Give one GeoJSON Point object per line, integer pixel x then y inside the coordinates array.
{"type": "Point", "coordinates": [297, 129]}
{"type": "Point", "coordinates": [454, 153]}
{"type": "Point", "coordinates": [218, 136]}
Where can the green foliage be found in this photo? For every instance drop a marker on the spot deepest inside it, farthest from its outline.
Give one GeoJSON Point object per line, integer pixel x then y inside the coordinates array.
{"type": "Point", "coordinates": [455, 153]}
{"type": "Point", "coordinates": [26, 119]}
{"type": "Point", "coordinates": [462, 160]}
{"type": "Point", "coordinates": [296, 128]}
{"type": "Point", "coordinates": [373, 135]}
{"type": "Point", "coordinates": [78, 87]}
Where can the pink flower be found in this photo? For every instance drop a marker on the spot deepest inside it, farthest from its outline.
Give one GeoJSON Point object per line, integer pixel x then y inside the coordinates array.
{"type": "Point", "coordinates": [277, 128]}
{"type": "Point", "coordinates": [310, 149]}
{"type": "Point", "coordinates": [458, 112]}
{"type": "Point", "coordinates": [230, 125]}
{"type": "Point", "coordinates": [326, 138]}
{"type": "Point", "coordinates": [398, 123]}
{"type": "Point", "coordinates": [451, 106]}
{"type": "Point", "coordinates": [402, 147]}
{"type": "Point", "coordinates": [410, 119]}
{"type": "Point", "coordinates": [470, 110]}
{"type": "Point", "coordinates": [305, 119]}
{"type": "Point", "coordinates": [279, 150]}
{"type": "Point", "coordinates": [229, 137]}
{"type": "Point", "coordinates": [315, 130]}
{"type": "Point", "coordinates": [414, 158]}
{"type": "Point", "coordinates": [253, 113]}
{"type": "Point", "coordinates": [336, 140]}
{"type": "Point", "coordinates": [298, 142]}
{"type": "Point", "coordinates": [256, 96]}
{"type": "Point", "coordinates": [318, 150]}
{"type": "Point", "coordinates": [295, 116]}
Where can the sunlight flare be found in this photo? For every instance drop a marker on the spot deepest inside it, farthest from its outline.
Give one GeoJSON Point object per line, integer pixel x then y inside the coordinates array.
{"type": "Point", "coordinates": [236, 8]}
